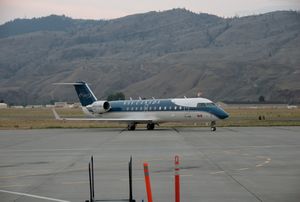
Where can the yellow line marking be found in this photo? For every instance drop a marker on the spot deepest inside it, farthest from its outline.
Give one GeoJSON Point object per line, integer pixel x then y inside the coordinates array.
{"type": "Point", "coordinates": [12, 176]}
{"type": "Point", "coordinates": [17, 185]}
{"type": "Point", "coordinates": [41, 173]}
{"type": "Point", "coordinates": [218, 172]}
{"type": "Point", "coordinates": [243, 169]}
{"type": "Point", "coordinates": [265, 162]}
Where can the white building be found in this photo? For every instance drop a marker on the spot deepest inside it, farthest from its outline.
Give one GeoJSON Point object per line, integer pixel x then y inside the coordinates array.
{"type": "Point", "coordinates": [61, 104]}
{"type": "Point", "coordinates": [3, 105]}
{"type": "Point", "coordinates": [17, 107]}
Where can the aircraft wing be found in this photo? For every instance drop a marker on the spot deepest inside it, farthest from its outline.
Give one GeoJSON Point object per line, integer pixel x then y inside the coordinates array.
{"type": "Point", "coordinates": [57, 117]}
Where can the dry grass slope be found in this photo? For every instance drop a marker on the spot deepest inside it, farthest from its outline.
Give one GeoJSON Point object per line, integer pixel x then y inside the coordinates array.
{"type": "Point", "coordinates": [43, 118]}
{"type": "Point", "coordinates": [156, 54]}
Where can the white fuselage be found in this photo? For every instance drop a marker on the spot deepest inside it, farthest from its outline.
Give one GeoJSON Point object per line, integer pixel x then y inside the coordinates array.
{"type": "Point", "coordinates": [161, 110]}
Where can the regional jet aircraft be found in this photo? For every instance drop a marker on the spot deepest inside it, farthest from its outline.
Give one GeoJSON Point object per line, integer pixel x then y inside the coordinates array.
{"type": "Point", "coordinates": [150, 112]}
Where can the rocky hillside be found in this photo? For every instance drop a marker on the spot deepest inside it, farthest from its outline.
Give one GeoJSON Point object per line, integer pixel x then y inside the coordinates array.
{"type": "Point", "coordinates": [157, 54]}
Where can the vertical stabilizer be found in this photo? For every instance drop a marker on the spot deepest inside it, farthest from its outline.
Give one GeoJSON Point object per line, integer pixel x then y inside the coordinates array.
{"type": "Point", "coordinates": [85, 94]}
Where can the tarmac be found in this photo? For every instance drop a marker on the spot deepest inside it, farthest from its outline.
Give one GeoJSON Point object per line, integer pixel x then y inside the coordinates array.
{"type": "Point", "coordinates": [246, 164]}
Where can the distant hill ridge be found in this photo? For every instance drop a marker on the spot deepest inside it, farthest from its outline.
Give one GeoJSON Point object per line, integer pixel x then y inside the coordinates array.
{"type": "Point", "coordinates": [49, 23]}
{"type": "Point", "coordinates": [173, 53]}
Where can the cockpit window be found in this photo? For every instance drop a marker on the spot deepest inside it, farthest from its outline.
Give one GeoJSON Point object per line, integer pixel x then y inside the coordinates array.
{"type": "Point", "coordinates": [199, 105]}
{"type": "Point", "coordinates": [210, 104]}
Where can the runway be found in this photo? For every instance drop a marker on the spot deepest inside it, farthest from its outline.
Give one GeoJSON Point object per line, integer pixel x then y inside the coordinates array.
{"type": "Point", "coordinates": [232, 164]}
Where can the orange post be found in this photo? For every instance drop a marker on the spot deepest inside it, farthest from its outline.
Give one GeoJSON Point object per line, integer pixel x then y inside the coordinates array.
{"type": "Point", "coordinates": [147, 181]}
{"type": "Point", "coordinates": [177, 180]}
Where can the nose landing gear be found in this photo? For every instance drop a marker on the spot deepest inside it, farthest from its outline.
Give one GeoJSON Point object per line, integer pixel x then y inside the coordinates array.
{"type": "Point", "coordinates": [213, 126]}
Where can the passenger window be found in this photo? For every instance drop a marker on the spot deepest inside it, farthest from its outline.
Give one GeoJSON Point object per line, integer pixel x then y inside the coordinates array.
{"type": "Point", "coordinates": [175, 108]}
{"type": "Point", "coordinates": [180, 108]}
{"type": "Point", "coordinates": [170, 108]}
{"type": "Point", "coordinates": [154, 108]}
{"type": "Point", "coordinates": [165, 108]}
{"type": "Point", "coordinates": [159, 108]}
{"type": "Point", "coordinates": [150, 108]}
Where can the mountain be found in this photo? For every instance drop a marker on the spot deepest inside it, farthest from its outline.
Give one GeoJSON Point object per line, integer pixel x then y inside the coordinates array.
{"type": "Point", "coordinates": [173, 53]}
{"type": "Point", "coordinates": [50, 23]}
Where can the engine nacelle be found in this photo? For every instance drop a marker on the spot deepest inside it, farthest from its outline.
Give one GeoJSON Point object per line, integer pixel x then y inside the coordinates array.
{"type": "Point", "coordinates": [99, 107]}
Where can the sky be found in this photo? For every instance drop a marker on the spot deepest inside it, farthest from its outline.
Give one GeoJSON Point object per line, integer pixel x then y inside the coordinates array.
{"type": "Point", "coordinates": [109, 9]}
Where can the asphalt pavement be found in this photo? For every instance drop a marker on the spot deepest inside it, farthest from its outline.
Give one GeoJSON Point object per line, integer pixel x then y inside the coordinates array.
{"type": "Point", "coordinates": [232, 164]}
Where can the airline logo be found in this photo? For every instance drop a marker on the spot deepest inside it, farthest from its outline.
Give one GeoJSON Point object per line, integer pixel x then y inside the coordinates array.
{"type": "Point", "coordinates": [84, 96]}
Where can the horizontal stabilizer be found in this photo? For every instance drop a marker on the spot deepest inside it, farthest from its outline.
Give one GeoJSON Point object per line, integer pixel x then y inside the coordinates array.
{"type": "Point", "coordinates": [76, 83]}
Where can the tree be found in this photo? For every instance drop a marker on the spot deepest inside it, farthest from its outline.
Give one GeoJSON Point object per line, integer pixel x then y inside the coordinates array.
{"type": "Point", "coordinates": [261, 99]}
{"type": "Point", "coordinates": [116, 96]}
{"type": "Point", "coordinates": [53, 101]}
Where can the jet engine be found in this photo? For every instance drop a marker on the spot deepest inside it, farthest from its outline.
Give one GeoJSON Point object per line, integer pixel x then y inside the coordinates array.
{"type": "Point", "coordinates": [99, 107]}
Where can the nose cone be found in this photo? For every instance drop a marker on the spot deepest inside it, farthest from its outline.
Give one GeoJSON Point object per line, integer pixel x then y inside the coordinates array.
{"type": "Point", "coordinates": [222, 114]}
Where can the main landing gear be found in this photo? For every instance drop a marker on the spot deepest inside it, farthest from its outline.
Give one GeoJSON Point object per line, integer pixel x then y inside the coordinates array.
{"type": "Point", "coordinates": [131, 126]}
{"type": "Point", "coordinates": [213, 126]}
{"type": "Point", "coordinates": [150, 126]}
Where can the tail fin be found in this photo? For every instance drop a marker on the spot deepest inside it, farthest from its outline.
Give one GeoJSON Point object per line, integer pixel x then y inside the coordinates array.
{"type": "Point", "coordinates": [85, 94]}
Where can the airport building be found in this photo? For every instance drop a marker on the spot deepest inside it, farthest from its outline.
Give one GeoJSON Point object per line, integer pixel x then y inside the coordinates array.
{"type": "Point", "coordinates": [3, 105]}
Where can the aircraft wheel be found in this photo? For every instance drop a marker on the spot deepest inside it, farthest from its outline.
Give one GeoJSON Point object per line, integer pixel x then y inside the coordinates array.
{"type": "Point", "coordinates": [213, 126]}
{"type": "Point", "coordinates": [131, 126]}
{"type": "Point", "coordinates": [150, 126]}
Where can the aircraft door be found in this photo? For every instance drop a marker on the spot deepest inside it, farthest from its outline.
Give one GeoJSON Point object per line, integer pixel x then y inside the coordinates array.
{"type": "Point", "coordinates": [187, 113]}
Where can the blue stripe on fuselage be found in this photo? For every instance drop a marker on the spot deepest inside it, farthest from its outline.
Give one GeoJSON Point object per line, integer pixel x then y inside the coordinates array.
{"type": "Point", "coordinates": [162, 105]}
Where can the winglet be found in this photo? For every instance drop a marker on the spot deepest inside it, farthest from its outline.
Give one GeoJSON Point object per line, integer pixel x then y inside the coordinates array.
{"type": "Point", "coordinates": [57, 117]}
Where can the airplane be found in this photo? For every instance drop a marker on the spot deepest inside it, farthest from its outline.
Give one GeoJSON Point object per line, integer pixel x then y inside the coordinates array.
{"type": "Point", "coordinates": [149, 111]}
